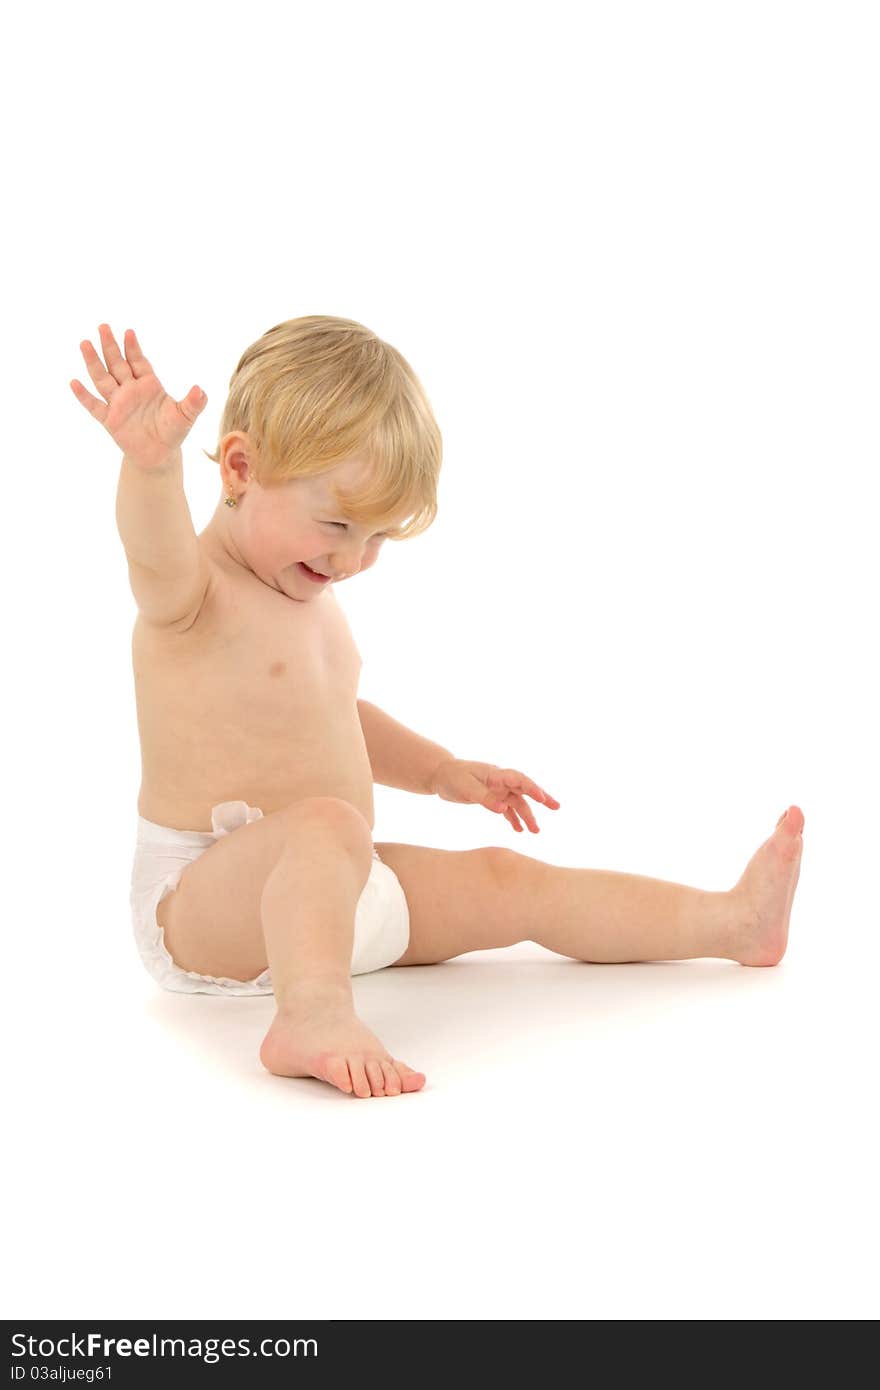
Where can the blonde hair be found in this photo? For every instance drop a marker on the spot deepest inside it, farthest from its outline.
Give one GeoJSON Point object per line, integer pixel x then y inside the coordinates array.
{"type": "Point", "coordinates": [313, 391]}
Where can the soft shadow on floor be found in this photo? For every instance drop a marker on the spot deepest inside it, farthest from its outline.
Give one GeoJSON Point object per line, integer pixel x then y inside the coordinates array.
{"type": "Point", "coordinates": [475, 1004]}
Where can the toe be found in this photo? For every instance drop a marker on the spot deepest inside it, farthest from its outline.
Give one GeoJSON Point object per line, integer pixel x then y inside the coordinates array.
{"type": "Point", "coordinates": [375, 1076]}
{"type": "Point", "coordinates": [794, 820]}
{"type": "Point", "coordinates": [409, 1079]}
{"type": "Point", "coordinates": [392, 1080]}
{"type": "Point", "coordinates": [336, 1072]}
{"type": "Point", "coordinates": [359, 1077]}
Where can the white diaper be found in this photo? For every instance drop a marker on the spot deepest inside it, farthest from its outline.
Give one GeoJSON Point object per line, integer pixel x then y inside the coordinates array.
{"type": "Point", "coordinates": [381, 927]}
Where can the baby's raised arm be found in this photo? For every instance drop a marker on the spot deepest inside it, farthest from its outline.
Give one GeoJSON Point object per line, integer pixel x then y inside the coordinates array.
{"type": "Point", "coordinates": [167, 571]}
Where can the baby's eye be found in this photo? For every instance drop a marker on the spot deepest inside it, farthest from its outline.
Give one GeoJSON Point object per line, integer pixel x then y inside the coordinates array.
{"type": "Point", "coordinates": [379, 536]}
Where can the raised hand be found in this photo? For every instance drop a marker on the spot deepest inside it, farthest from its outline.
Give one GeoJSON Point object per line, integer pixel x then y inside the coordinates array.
{"type": "Point", "coordinates": [136, 411]}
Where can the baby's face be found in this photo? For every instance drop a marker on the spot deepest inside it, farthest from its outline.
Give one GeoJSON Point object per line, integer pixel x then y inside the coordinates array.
{"type": "Point", "coordinates": [279, 531]}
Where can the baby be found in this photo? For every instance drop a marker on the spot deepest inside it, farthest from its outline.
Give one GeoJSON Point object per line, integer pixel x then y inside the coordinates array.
{"type": "Point", "coordinates": [255, 870]}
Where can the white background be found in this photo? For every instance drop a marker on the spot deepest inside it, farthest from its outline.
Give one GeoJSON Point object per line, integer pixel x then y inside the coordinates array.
{"type": "Point", "coordinates": [631, 252]}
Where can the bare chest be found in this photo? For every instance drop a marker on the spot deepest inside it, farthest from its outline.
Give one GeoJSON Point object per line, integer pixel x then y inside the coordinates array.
{"type": "Point", "coordinates": [256, 702]}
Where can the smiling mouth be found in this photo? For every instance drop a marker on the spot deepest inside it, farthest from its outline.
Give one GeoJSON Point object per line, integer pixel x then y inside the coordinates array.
{"type": "Point", "coordinates": [315, 574]}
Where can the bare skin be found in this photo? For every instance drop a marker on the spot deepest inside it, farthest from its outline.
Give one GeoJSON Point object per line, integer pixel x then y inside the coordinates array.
{"type": "Point", "coordinates": [767, 887]}
{"type": "Point", "coordinates": [254, 697]}
{"type": "Point", "coordinates": [318, 1034]}
{"type": "Point", "coordinates": [267, 641]}
{"type": "Point", "coordinates": [270, 658]}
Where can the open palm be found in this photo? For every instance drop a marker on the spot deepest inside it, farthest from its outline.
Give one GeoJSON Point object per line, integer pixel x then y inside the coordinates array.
{"type": "Point", "coordinates": [136, 410]}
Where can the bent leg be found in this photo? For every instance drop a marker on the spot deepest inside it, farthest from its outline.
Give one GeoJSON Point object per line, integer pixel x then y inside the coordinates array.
{"type": "Point", "coordinates": [213, 921]}
{"type": "Point", "coordinates": [309, 899]}
{"type": "Point", "coordinates": [284, 889]}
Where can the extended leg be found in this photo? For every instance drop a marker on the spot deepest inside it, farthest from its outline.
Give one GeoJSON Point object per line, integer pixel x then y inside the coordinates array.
{"type": "Point", "coordinates": [474, 900]}
{"type": "Point", "coordinates": [600, 915]}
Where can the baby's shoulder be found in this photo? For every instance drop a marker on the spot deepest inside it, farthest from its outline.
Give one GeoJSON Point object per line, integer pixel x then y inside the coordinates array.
{"type": "Point", "coordinates": [218, 615]}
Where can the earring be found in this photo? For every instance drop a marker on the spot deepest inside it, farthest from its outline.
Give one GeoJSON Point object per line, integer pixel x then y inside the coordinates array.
{"type": "Point", "coordinates": [231, 502]}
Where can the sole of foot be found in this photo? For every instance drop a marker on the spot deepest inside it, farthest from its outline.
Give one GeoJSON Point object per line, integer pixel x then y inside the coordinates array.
{"type": "Point", "coordinates": [766, 890]}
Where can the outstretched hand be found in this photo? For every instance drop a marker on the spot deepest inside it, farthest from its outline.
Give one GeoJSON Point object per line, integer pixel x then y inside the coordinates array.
{"type": "Point", "coordinates": [499, 789]}
{"type": "Point", "coordinates": [145, 422]}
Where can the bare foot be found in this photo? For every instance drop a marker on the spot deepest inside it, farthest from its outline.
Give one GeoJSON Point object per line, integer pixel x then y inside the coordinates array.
{"type": "Point", "coordinates": [767, 889]}
{"type": "Point", "coordinates": [320, 1035]}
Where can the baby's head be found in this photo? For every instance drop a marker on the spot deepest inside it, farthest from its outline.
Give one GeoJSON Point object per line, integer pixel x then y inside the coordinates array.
{"type": "Point", "coordinates": [328, 447]}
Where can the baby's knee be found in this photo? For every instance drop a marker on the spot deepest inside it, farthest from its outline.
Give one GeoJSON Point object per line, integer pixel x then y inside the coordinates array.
{"type": "Point", "coordinates": [331, 815]}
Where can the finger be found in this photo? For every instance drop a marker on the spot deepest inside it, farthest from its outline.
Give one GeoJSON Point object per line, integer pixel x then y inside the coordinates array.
{"type": "Point", "coordinates": [116, 363]}
{"type": "Point", "coordinates": [91, 403]}
{"type": "Point", "coordinates": [194, 403]}
{"type": "Point", "coordinates": [104, 380]}
{"type": "Point", "coordinates": [525, 811]}
{"type": "Point", "coordinates": [514, 780]}
{"type": "Point", "coordinates": [537, 793]}
{"type": "Point", "coordinates": [510, 815]}
{"type": "Point", "coordinates": [518, 781]}
{"type": "Point", "coordinates": [134, 352]}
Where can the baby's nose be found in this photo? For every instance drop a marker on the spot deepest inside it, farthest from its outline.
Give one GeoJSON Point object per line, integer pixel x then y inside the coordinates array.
{"type": "Point", "coordinates": [348, 561]}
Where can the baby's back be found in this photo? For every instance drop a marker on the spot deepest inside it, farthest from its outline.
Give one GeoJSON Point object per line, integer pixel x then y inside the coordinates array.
{"type": "Point", "coordinates": [256, 701]}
